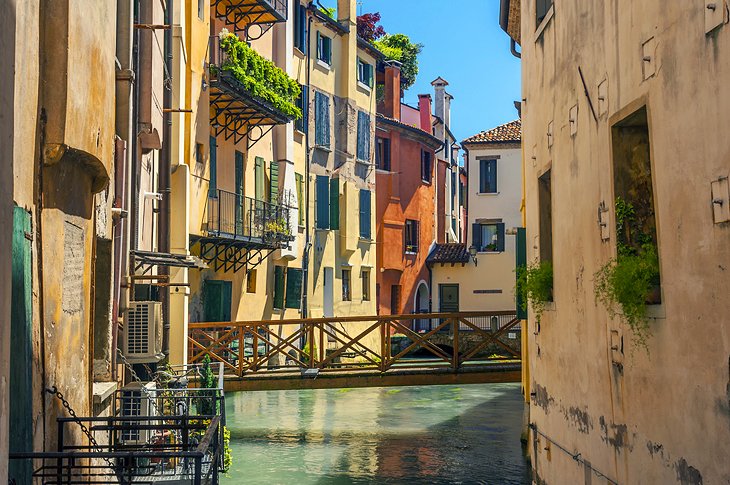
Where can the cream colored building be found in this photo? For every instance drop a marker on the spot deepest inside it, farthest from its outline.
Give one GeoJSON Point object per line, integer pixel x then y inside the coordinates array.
{"type": "Point", "coordinates": [630, 100]}
{"type": "Point", "coordinates": [493, 161]}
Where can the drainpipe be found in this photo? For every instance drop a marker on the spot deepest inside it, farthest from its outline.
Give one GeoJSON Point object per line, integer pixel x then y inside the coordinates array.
{"type": "Point", "coordinates": [513, 48]}
{"type": "Point", "coordinates": [163, 221]}
{"type": "Point", "coordinates": [307, 239]}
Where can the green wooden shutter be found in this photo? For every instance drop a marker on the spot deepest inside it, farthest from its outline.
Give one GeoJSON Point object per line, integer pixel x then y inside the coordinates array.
{"type": "Point", "coordinates": [365, 214]}
{"type": "Point", "coordinates": [476, 236]}
{"type": "Point", "coordinates": [300, 196]}
{"type": "Point", "coordinates": [239, 192]}
{"type": "Point", "coordinates": [21, 338]}
{"type": "Point", "coordinates": [293, 288]}
{"type": "Point", "coordinates": [334, 203]}
{"type": "Point", "coordinates": [217, 297]}
{"type": "Point", "coordinates": [274, 182]}
{"type": "Point", "coordinates": [521, 262]}
{"type": "Point", "coordinates": [213, 182]}
{"type": "Point", "coordinates": [260, 178]}
{"type": "Point", "coordinates": [323, 200]}
{"type": "Point", "coordinates": [500, 236]}
{"type": "Point", "coordinates": [278, 287]}
{"type": "Point", "coordinates": [363, 136]}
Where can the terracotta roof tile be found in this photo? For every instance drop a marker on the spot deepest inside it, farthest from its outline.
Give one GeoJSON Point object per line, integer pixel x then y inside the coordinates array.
{"type": "Point", "coordinates": [508, 133]}
{"type": "Point", "coordinates": [449, 253]}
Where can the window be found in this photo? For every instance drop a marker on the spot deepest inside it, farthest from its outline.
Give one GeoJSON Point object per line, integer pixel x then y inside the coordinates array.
{"type": "Point", "coordinates": [363, 136]}
{"type": "Point", "coordinates": [293, 288]}
{"type": "Point", "coordinates": [274, 182]}
{"type": "Point", "coordinates": [212, 183]}
{"type": "Point", "coordinates": [365, 276]}
{"type": "Point", "coordinates": [411, 235]}
{"type": "Point", "coordinates": [322, 119]}
{"type": "Point", "coordinates": [395, 299]}
{"type": "Point", "coordinates": [217, 300]}
{"type": "Point", "coordinates": [324, 49]}
{"type": "Point", "coordinates": [279, 288]}
{"type": "Point", "coordinates": [199, 153]}
{"type": "Point", "coordinates": [365, 198]}
{"type": "Point", "coordinates": [488, 237]}
{"type": "Point", "coordinates": [251, 281]}
{"type": "Point", "coordinates": [300, 26]}
{"type": "Point", "coordinates": [426, 166]}
{"type": "Point", "coordinates": [302, 102]}
{"type": "Point", "coordinates": [201, 9]}
{"type": "Point", "coordinates": [346, 295]}
{"type": "Point", "coordinates": [299, 180]}
{"type": "Point", "coordinates": [382, 153]}
{"type": "Point", "coordinates": [487, 176]}
{"type": "Point", "coordinates": [542, 8]}
{"type": "Point", "coordinates": [322, 195]}
{"type": "Point", "coordinates": [544, 195]}
{"type": "Point", "coordinates": [260, 178]}
{"type": "Point", "coordinates": [365, 73]}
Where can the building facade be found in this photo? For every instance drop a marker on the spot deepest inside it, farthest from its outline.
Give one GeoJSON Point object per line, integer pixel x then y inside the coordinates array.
{"type": "Point", "coordinates": [493, 164]}
{"type": "Point", "coordinates": [405, 193]}
{"type": "Point", "coordinates": [624, 107]}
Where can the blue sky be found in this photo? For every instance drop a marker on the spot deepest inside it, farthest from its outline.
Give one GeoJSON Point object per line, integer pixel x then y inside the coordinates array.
{"type": "Point", "coordinates": [464, 44]}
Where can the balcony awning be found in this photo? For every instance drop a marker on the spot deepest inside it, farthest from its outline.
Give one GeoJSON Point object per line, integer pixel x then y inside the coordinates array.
{"type": "Point", "coordinates": [146, 260]}
{"type": "Point", "coordinates": [234, 111]}
{"type": "Point", "coordinates": [241, 13]}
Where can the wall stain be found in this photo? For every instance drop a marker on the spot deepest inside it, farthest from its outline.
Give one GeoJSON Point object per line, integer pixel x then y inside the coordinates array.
{"type": "Point", "coordinates": [580, 418]}
{"type": "Point", "coordinates": [655, 449]}
{"type": "Point", "coordinates": [686, 474]}
{"type": "Point", "coordinates": [541, 397]}
{"type": "Point", "coordinates": [615, 435]}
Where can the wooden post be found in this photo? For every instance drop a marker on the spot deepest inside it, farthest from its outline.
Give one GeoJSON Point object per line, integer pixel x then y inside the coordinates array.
{"type": "Point", "coordinates": [241, 351]}
{"type": "Point", "coordinates": [384, 329]}
{"type": "Point", "coordinates": [255, 343]}
{"type": "Point", "coordinates": [455, 362]}
{"type": "Point", "coordinates": [311, 345]}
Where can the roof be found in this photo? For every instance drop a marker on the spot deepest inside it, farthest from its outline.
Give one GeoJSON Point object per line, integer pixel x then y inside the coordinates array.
{"type": "Point", "coordinates": [449, 253]}
{"type": "Point", "coordinates": [427, 137]}
{"type": "Point", "coordinates": [507, 133]}
{"type": "Point", "coordinates": [439, 81]}
{"type": "Point", "coordinates": [509, 18]}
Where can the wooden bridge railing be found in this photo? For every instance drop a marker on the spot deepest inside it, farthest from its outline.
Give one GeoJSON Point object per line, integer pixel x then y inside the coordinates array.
{"type": "Point", "coordinates": [380, 343]}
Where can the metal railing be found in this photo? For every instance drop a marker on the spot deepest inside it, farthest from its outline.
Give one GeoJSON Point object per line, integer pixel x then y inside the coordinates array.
{"type": "Point", "coordinates": [238, 216]}
{"type": "Point", "coordinates": [453, 340]}
{"type": "Point", "coordinates": [492, 322]}
{"type": "Point", "coordinates": [245, 12]}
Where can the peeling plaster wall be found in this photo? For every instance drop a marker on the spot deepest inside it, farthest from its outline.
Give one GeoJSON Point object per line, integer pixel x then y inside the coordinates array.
{"type": "Point", "coordinates": [663, 417]}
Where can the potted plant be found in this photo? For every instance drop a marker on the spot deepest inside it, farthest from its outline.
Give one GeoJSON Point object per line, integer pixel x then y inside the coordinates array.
{"type": "Point", "coordinates": [628, 283]}
{"type": "Point", "coordinates": [535, 285]}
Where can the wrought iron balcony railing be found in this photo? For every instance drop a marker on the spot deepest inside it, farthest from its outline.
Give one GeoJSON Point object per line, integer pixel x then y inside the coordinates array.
{"type": "Point", "coordinates": [237, 217]}
{"type": "Point", "coordinates": [242, 13]}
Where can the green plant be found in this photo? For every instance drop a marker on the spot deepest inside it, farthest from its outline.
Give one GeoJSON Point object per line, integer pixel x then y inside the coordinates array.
{"type": "Point", "coordinates": [206, 402]}
{"type": "Point", "coordinates": [331, 12]}
{"type": "Point", "coordinates": [307, 349]}
{"type": "Point", "coordinates": [399, 47]}
{"type": "Point", "coordinates": [535, 285]}
{"type": "Point", "coordinates": [626, 283]}
{"type": "Point", "coordinates": [259, 76]}
{"type": "Point", "coordinates": [278, 226]}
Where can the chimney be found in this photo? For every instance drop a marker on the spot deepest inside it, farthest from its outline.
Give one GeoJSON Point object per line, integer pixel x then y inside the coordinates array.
{"type": "Point", "coordinates": [439, 87]}
{"type": "Point", "coordinates": [347, 16]}
{"type": "Point", "coordinates": [424, 108]}
{"type": "Point", "coordinates": [392, 90]}
{"type": "Point", "coordinates": [447, 108]}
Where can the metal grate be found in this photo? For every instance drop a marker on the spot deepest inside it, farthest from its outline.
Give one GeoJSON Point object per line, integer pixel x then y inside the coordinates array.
{"type": "Point", "coordinates": [138, 325]}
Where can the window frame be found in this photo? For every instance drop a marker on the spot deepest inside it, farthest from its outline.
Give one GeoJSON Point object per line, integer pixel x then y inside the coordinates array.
{"type": "Point", "coordinates": [365, 281]}
{"type": "Point", "coordinates": [346, 276]}
{"type": "Point", "coordinates": [382, 154]}
{"type": "Point", "coordinates": [484, 184]}
{"type": "Point", "coordinates": [251, 281]}
{"type": "Point", "coordinates": [363, 130]}
{"type": "Point", "coordinates": [322, 41]}
{"type": "Point", "coordinates": [478, 237]}
{"type": "Point", "coordinates": [426, 172]}
{"type": "Point", "coordinates": [411, 230]}
{"type": "Point", "coordinates": [322, 139]}
{"type": "Point", "coordinates": [302, 102]}
{"type": "Point", "coordinates": [364, 68]}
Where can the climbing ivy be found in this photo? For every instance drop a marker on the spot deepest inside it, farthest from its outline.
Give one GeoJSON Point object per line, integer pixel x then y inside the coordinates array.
{"type": "Point", "coordinates": [259, 76]}
{"type": "Point", "coordinates": [535, 284]}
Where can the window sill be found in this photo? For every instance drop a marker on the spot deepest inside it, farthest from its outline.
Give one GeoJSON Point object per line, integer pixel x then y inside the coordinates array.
{"type": "Point", "coordinates": [427, 182]}
{"type": "Point", "coordinates": [411, 253]}
{"type": "Point", "coordinates": [324, 65]}
{"type": "Point", "coordinates": [299, 132]}
{"type": "Point", "coordinates": [368, 240]}
{"type": "Point", "coordinates": [487, 193]}
{"type": "Point", "coordinates": [382, 170]}
{"type": "Point", "coordinates": [103, 391]}
{"type": "Point", "coordinates": [324, 148]}
{"type": "Point", "coordinates": [299, 52]}
{"type": "Point", "coordinates": [490, 252]}
{"type": "Point", "coordinates": [364, 87]}
{"type": "Point", "coordinates": [543, 25]}
{"type": "Point", "coordinates": [362, 162]}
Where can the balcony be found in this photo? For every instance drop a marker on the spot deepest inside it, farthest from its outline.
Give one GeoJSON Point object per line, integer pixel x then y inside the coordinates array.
{"type": "Point", "coordinates": [159, 432]}
{"type": "Point", "coordinates": [247, 91]}
{"type": "Point", "coordinates": [243, 13]}
{"type": "Point", "coordinates": [241, 231]}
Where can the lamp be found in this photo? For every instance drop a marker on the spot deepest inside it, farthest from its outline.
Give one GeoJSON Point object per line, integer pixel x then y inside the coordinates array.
{"type": "Point", "coordinates": [473, 254]}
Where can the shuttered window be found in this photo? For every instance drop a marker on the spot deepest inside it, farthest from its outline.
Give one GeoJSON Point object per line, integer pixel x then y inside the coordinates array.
{"type": "Point", "coordinates": [363, 136]}
{"type": "Point", "coordinates": [299, 180]}
{"type": "Point", "coordinates": [426, 166]}
{"type": "Point", "coordinates": [322, 195]}
{"type": "Point", "coordinates": [411, 236]}
{"type": "Point", "coordinates": [321, 119]}
{"type": "Point", "coordinates": [365, 214]}
{"type": "Point", "coordinates": [382, 154]}
{"type": "Point", "coordinates": [260, 178]}
{"type": "Point", "coordinates": [324, 49]}
{"type": "Point", "coordinates": [300, 27]}
{"type": "Point", "coordinates": [302, 102]}
{"type": "Point", "coordinates": [365, 73]}
{"type": "Point", "coordinates": [293, 288]}
{"type": "Point", "coordinates": [274, 182]}
{"type": "Point", "coordinates": [488, 237]}
{"type": "Point", "coordinates": [279, 277]}
{"type": "Point", "coordinates": [487, 176]}
{"type": "Point", "coordinates": [213, 182]}
{"type": "Point", "coordinates": [217, 296]}
{"type": "Point", "coordinates": [334, 203]}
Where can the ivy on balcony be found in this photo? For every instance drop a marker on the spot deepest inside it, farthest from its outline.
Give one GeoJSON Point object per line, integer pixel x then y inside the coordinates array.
{"type": "Point", "coordinates": [259, 76]}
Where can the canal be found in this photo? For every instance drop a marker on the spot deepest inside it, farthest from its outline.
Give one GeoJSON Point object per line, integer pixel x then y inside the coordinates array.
{"type": "Point", "coordinates": [404, 435]}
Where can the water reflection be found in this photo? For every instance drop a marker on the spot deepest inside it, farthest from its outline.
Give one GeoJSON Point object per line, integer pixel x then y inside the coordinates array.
{"type": "Point", "coordinates": [413, 435]}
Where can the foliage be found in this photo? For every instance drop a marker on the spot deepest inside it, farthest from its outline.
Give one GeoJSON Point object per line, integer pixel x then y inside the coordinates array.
{"type": "Point", "coordinates": [331, 12]}
{"type": "Point", "coordinates": [535, 284]}
{"type": "Point", "coordinates": [399, 47]}
{"type": "Point", "coordinates": [625, 284]}
{"type": "Point", "coordinates": [227, 455]}
{"type": "Point", "coordinates": [306, 351]}
{"type": "Point", "coordinates": [206, 403]}
{"type": "Point", "coordinates": [259, 76]}
{"type": "Point", "coordinates": [368, 28]}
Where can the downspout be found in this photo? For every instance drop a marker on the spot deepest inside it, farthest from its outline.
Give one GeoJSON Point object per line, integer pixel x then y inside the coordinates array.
{"type": "Point", "coordinates": [513, 48]}
{"type": "Point", "coordinates": [307, 150]}
{"type": "Point", "coordinates": [163, 221]}
{"type": "Point", "coordinates": [135, 172]}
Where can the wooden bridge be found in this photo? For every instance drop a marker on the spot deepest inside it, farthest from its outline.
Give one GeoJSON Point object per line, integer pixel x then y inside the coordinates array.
{"type": "Point", "coordinates": [363, 351]}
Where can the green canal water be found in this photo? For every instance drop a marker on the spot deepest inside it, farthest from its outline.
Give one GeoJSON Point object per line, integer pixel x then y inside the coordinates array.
{"type": "Point", "coordinates": [404, 435]}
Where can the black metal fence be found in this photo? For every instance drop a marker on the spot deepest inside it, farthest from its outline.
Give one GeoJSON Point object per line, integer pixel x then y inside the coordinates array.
{"type": "Point", "coordinates": [237, 216]}
{"type": "Point", "coordinates": [489, 323]}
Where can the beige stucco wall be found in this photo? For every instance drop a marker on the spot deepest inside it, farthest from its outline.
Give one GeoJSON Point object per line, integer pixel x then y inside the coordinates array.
{"type": "Point", "coordinates": [665, 418]}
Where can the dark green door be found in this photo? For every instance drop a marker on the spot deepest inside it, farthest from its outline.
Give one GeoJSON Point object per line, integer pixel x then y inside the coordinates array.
{"type": "Point", "coordinates": [217, 300]}
{"type": "Point", "coordinates": [21, 318]}
{"type": "Point", "coordinates": [448, 298]}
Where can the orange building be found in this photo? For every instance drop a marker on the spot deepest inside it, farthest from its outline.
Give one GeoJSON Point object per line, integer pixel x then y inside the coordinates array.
{"type": "Point", "coordinates": [405, 208]}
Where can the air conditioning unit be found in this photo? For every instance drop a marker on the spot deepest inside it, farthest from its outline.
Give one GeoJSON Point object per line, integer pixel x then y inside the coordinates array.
{"type": "Point", "coordinates": [143, 332]}
{"type": "Point", "coordinates": [137, 399]}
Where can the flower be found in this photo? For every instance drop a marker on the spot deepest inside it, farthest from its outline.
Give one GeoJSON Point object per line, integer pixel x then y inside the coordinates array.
{"type": "Point", "coordinates": [224, 33]}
